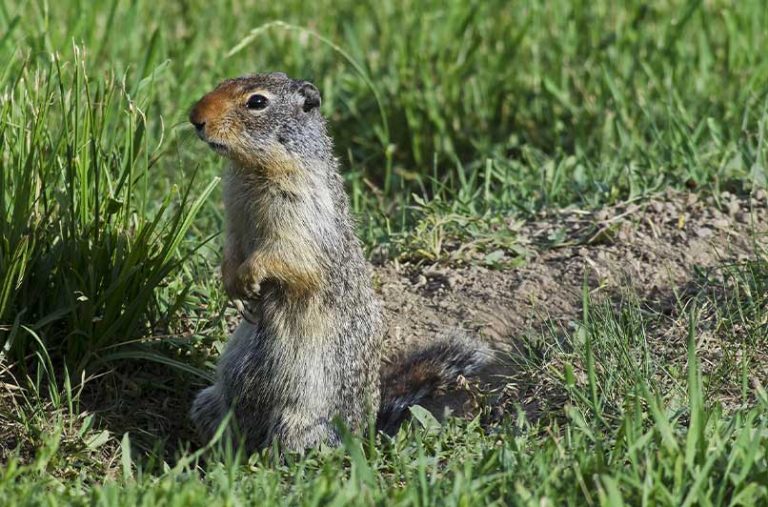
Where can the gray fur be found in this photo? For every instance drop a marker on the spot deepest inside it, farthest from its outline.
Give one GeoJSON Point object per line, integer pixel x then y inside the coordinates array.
{"type": "Point", "coordinates": [305, 357]}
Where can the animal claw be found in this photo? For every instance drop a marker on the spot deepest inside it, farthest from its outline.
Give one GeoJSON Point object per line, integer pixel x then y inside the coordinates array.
{"type": "Point", "coordinates": [244, 310]}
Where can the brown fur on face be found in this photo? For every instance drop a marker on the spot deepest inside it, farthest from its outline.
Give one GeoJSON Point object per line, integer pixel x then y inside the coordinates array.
{"type": "Point", "coordinates": [253, 138]}
{"type": "Point", "coordinates": [213, 115]}
{"type": "Point", "coordinates": [221, 119]}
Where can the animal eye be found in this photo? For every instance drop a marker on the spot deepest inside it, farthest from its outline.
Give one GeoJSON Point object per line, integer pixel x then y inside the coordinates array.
{"type": "Point", "coordinates": [257, 102]}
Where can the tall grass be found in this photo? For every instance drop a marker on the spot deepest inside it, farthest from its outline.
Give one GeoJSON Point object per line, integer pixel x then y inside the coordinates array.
{"type": "Point", "coordinates": [569, 100]}
{"type": "Point", "coordinates": [85, 243]}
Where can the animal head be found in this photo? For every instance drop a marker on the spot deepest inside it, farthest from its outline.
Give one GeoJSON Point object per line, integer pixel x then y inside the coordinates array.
{"type": "Point", "coordinates": [261, 120]}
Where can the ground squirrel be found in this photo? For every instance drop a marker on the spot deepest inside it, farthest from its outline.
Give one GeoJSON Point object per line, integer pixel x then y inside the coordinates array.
{"type": "Point", "coordinates": [310, 350]}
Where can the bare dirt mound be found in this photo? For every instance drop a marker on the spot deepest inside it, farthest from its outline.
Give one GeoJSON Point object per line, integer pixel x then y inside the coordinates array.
{"type": "Point", "coordinates": [654, 248]}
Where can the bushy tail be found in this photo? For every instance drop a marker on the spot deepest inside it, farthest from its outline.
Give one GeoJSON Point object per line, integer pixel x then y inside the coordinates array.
{"type": "Point", "coordinates": [413, 377]}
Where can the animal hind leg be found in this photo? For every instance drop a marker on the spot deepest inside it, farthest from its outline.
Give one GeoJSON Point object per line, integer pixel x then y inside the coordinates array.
{"type": "Point", "coordinates": [208, 411]}
{"type": "Point", "coordinates": [301, 434]}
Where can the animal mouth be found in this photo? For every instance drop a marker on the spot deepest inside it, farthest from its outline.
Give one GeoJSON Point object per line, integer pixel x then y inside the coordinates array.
{"type": "Point", "coordinates": [217, 147]}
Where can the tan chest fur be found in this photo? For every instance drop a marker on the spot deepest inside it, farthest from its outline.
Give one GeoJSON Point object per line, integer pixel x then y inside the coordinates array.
{"type": "Point", "coordinates": [278, 228]}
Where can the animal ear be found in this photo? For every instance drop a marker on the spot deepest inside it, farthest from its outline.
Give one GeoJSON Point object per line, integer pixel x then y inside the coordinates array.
{"type": "Point", "coordinates": [311, 95]}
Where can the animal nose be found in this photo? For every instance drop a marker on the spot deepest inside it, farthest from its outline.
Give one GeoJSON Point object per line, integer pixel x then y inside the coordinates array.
{"type": "Point", "coordinates": [197, 119]}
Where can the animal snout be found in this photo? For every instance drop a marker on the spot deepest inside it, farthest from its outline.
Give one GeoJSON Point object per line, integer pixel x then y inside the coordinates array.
{"type": "Point", "coordinates": [196, 120]}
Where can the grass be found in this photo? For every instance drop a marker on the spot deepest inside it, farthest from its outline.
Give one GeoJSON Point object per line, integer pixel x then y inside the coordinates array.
{"type": "Point", "coordinates": [452, 120]}
{"type": "Point", "coordinates": [624, 426]}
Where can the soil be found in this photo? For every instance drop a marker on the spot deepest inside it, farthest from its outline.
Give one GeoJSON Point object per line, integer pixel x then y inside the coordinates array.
{"type": "Point", "coordinates": [655, 250]}
{"type": "Point", "coordinates": [650, 247]}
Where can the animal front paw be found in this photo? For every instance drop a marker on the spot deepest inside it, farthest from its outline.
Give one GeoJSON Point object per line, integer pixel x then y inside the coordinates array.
{"type": "Point", "coordinates": [245, 308]}
{"type": "Point", "coordinates": [241, 283]}
{"type": "Point", "coordinates": [247, 283]}
{"type": "Point", "coordinates": [244, 294]}
{"type": "Point", "coordinates": [243, 286]}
